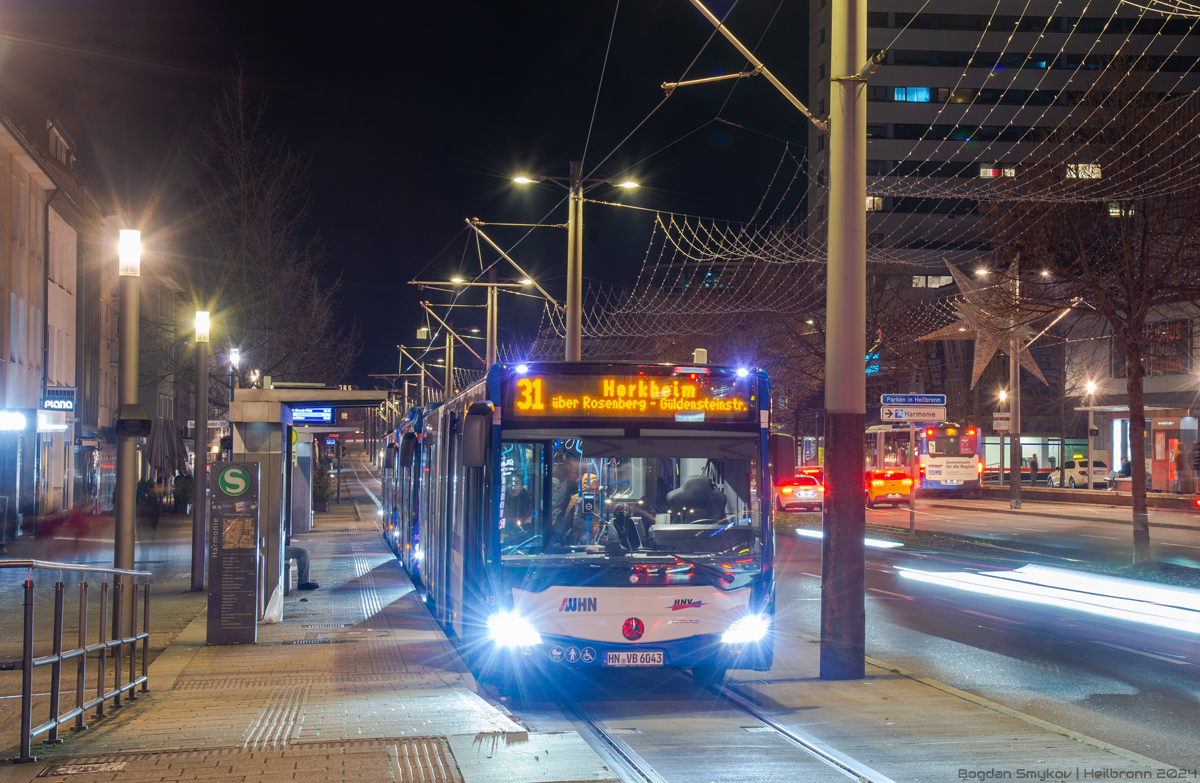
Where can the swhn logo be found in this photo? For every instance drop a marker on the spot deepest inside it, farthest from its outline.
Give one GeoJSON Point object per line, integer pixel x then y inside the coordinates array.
{"type": "Point", "coordinates": [577, 605]}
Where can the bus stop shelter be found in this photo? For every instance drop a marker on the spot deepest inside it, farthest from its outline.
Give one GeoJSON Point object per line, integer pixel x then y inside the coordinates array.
{"type": "Point", "coordinates": [262, 423]}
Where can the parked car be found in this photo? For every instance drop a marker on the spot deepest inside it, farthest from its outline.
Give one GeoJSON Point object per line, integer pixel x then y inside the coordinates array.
{"type": "Point", "coordinates": [803, 492]}
{"type": "Point", "coordinates": [887, 486]}
{"type": "Point", "coordinates": [1075, 474]}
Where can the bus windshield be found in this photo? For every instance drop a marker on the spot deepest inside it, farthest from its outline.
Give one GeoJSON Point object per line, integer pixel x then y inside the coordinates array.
{"type": "Point", "coordinates": [641, 498]}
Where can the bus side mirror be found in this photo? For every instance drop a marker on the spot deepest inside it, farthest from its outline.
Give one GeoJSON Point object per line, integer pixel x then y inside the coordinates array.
{"type": "Point", "coordinates": [476, 429]}
{"type": "Point", "coordinates": [389, 457]}
{"type": "Point", "coordinates": [783, 454]}
{"type": "Point", "coordinates": [408, 447]}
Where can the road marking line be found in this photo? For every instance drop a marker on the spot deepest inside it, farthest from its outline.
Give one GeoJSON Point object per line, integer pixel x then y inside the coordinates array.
{"type": "Point", "coordinates": [1147, 654]}
{"type": "Point", "coordinates": [991, 617]}
{"type": "Point", "coordinates": [814, 576]}
{"type": "Point", "coordinates": [1110, 538]}
{"type": "Point", "coordinates": [885, 592]}
{"type": "Point", "coordinates": [1031, 529]}
{"type": "Point", "coordinates": [1189, 546]}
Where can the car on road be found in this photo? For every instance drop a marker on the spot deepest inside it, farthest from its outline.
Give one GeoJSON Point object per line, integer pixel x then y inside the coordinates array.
{"type": "Point", "coordinates": [1075, 474]}
{"type": "Point", "coordinates": [804, 492]}
{"type": "Point", "coordinates": [887, 486]}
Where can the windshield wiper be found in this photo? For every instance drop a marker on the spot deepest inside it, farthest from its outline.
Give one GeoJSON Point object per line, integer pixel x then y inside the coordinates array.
{"type": "Point", "coordinates": [710, 570]}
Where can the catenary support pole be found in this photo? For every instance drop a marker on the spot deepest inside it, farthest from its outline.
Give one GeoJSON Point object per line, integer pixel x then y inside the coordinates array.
{"type": "Point", "coordinates": [1014, 437]}
{"type": "Point", "coordinates": [448, 388]}
{"type": "Point", "coordinates": [492, 320]}
{"type": "Point", "coordinates": [575, 262]}
{"type": "Point", "coordinates": [126, 473]}
{"type": "Point", "coordinates": [200, 474]}
{"type": "Point", "coordinates": [843, 567]}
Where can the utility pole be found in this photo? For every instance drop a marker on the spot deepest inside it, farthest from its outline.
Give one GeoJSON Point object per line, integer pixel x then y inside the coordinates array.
{"type": "Point", "coordinates": [1091, 471]}
{"type": "Point", "coordinates": [1014, 391]}
{"type": "Point", "coordinates": [492, 321]}
{"type": "Point", "coordinates": [575, 261]}
{"type": "Point", "coordinates": [200, 449]}
{"type": "Point", "coordinates": [448, 388]}
{"type": "Point", "coordinates": [843, 563]}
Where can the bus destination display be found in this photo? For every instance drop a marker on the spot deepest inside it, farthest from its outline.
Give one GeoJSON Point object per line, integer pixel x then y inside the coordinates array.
{"type": "Point", "coordinates": [674, 397]}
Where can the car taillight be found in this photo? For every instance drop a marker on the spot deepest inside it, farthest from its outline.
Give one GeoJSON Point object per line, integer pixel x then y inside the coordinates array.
{"type": "Point", "coordinates": [876, 483]}
{"type": "Point", "coordinates": [908, 482]}
{"type": "Point", "coordinates": [820, 488]}
{"type": "Point", "coordinates": [978, 467]}
{"type": "Point", "coordinates": [1197, 502]}
{"type": "Point", "coordinates": [786, 490]}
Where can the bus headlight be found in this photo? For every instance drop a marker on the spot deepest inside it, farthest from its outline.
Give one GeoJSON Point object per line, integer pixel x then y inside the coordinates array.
{"type": "Point", "coordinates": [512, 630]}
{"type": "Point", "coordinates": [747, 629]}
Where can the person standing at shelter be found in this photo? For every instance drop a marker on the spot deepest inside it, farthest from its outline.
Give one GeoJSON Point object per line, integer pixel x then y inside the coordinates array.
{"type": "Point", "coordinates": [1180, 464]}
{"type": "Point", "coordinates": [1033, 471]}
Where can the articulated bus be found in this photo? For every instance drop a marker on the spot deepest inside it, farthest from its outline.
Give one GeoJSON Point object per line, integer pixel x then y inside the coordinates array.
{"type": "Point", "coordinates": [582, 514]}
{"type": "Point", "coordinates": [950, 457]}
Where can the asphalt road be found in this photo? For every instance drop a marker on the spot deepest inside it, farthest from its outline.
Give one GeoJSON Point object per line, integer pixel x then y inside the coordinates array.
{"type": "Point", "coordinates": [1077, 530]}
{"type": "Point", "coordinates": [1132, 685]}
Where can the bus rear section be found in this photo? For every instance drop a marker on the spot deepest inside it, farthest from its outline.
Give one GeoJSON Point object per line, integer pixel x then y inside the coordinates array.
{"type": "Point", "coordinates": [950, 458]}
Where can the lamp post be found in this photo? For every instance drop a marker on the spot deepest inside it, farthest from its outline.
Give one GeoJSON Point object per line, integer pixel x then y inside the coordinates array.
{"type": "Point", "coordinates": [129, 252]}
{"type": "Point", "coordinates": [200, 468]}
{"type": "Point", "coordinates": [1091, 391]}
{"type": "Point", "coordinates": [576, 185]}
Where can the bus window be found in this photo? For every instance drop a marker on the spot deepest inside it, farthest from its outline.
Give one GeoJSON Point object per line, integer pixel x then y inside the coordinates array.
{"type": "Point", "coordinates": [521, 496]}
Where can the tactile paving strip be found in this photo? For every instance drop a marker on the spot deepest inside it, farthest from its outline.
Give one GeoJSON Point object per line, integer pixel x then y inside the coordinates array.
{"type": "Point", "coordinates": [406, 760]}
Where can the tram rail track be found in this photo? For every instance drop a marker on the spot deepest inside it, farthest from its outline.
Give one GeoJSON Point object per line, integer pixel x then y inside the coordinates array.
{"type": "Point", "coordinates": [627, 764]}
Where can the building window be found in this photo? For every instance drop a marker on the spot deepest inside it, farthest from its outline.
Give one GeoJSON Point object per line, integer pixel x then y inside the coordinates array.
{"type": "Point", "coordinates": [1117, 209]}
{"type": "Point", "coordinates": [821, 178]}
{"type": "Point", "coordinates": [911, 94]}
{"type": "Point", "coordinates": [957, 95]}
{"type": "Point", "coordinates": [820, 142]}
{"type": "Point", "coordinates": [880, 94]}
{"type": "Point", "coordinates": [1083, 171]}
{"type": "Point", "coordinates": [821, 72]}
{"type": "Point", "coordinates": [821, 36]}
{"type": "Point", "coordinates": [874, 203]}
{"type": "Point", "coordinates": [994, 170]}
{"type": "Point", "coordinates": [821, 108]}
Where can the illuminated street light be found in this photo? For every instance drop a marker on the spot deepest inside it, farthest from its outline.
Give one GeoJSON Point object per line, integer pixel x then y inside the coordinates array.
{"type": "Point", "coordinates": [1003, 395]}
{"type": "Point", "coordinates": [526, 281]}
{"type": "Point", "coordinates": [981, 272]}
{"type": "Point", "coordinates": [235, 356]}
{"type": "Point", "coordinates": [576, 185]}
{"type": "Point", "coordinates": [1091, 387]}
{"type": "Point", "coordinates": [202, 326]}
{"type": "Point", "coordinates": [129, 251]}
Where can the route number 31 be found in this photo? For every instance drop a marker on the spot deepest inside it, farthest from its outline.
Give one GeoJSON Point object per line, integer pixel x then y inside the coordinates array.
{"type": "Point", "coordinates": [530, 390]}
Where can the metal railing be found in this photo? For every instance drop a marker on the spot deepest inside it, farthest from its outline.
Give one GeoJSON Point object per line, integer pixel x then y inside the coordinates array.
{"type": "Point", "coordinates": [58, 656]}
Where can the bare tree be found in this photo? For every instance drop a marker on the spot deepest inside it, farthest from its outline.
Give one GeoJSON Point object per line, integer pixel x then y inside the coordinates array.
{"type": "Point", "coordinates": [1109, 210]}
{"type": "Point", "coordinates": [254, 263]}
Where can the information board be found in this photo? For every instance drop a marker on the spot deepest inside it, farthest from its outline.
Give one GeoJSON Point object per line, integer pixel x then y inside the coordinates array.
{"type": "Point", "coordinates": [233, 554]}
{"type": "Point", "coordinates": [677, 397]}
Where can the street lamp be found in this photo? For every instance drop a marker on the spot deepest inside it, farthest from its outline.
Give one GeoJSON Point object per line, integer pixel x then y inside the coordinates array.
{"type": "Point", "coordinates": [576, 186]}
{"type": "Point", "coordinates": [129, 420]}
{"type": "Point", "coordinates": [492, 307]}
{"type": "Point", "coordinates": [200, 450]}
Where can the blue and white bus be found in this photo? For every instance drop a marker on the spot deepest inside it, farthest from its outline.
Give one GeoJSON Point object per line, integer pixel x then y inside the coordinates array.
{"type": "Point", "coordinates": [576, 514]}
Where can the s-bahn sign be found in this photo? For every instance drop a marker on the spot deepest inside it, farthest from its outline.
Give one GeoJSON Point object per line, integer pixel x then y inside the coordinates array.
{"type": "Point", "coordinates": [233, 555]}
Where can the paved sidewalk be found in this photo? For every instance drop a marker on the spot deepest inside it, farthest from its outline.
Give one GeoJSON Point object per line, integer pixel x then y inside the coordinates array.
{"type": "Point", "coordinates": [357, 683]}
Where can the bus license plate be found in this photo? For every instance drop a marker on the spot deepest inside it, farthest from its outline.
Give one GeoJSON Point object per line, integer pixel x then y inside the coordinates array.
{"type": "Point", "coordinates": [950, 481]}
{"type": "Point", "coordinates": [633, 658]}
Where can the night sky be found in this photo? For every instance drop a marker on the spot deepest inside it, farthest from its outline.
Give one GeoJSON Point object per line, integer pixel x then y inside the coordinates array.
{"type": "Point", "coordinates": [415, 116]}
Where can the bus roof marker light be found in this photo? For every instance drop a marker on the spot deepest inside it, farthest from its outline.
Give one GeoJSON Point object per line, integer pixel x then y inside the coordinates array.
{"type": "Point", "coordinates": [742, 372]}
{"type": "Point", "coordinates": [522, 368]}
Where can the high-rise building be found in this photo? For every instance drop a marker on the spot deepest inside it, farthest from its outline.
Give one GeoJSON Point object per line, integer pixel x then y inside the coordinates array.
{"type": "Point", "coordinates": [962, 86]}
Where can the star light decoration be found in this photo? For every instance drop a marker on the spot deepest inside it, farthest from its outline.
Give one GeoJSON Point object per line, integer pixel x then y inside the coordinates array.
{"type": "Point", "coordinates": [986, 316]}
